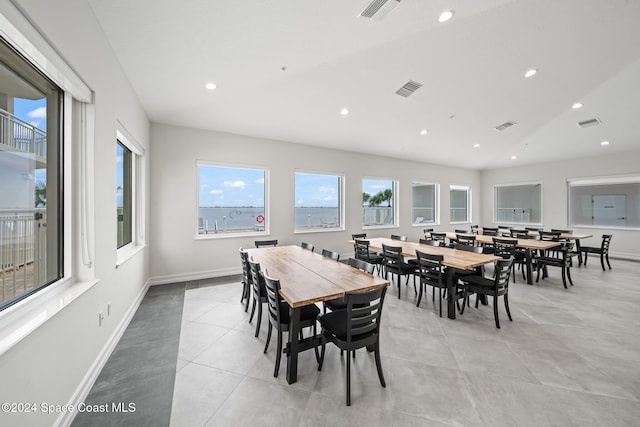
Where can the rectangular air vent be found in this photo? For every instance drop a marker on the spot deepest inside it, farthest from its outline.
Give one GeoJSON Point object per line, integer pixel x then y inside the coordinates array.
{"type": "Point", "coordinates": [378, 9]}
{"type": "Point", "coordinates": [504, 126]}
{"type": "Point", "coordinates": [408, 88]}
{"type": "Point", "coordinates": [590, 122]}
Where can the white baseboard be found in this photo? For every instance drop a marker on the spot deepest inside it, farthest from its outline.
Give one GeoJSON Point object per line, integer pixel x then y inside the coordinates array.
{"type": "Point", "coordinates": [186, 277]}
{"type": "Point", "coordinates": [82, 391]}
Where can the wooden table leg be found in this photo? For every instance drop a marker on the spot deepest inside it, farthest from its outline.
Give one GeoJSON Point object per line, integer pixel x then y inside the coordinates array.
{"type": "Point", "coordinates": [292, 356]}
{"type": "Point", "coordinates": [529, 261]}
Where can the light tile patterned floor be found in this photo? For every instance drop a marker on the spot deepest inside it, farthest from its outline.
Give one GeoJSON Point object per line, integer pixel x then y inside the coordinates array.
{"type": "Point", "coordinates": [570, 357]}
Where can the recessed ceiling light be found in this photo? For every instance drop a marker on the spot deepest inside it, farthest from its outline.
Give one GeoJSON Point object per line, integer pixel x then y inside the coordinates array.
{"type": "Point", "coordinates": [423, 132]}
{"type": "Point", "coordinates": [530, 73]}
{"type": "Point", "coordinates": [210, 86]}
{"type": "Point", "coordinates": [344, 111]}
{"type": "Point", "coordinates": [445, 16]}
{"type": "Point", "coordinates": [476, 145]}
{"type": "Point", "coordinates": [513, 157]}
{"type": "Point", "coordinates": [604, 143]}
{"type": "Point", "coordinates": [577, 105]}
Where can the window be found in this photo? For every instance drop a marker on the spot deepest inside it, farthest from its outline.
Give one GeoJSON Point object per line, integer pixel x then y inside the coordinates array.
{"type": "Point", "coordinates": [318, 202]}
{"type": "Point", "coordinates": [518, 204]}
{"type": "Point", "coordinates": [31, 205]}
{"type": "Point", "coordinates": [459, 204]}
{"type": "Point", "coordinates": [123, 194]}
{"type": "Point", "coordinates": [424, 196]}
{"type": "Point", "coordinates": [231, 200]}
{"type": "Point", "coordinates": [378, 202]}
{"type": "Point", "coordinates": [605, 202]}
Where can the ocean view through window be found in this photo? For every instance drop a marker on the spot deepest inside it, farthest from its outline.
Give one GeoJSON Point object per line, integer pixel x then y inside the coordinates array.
{"type": "Point", "coordinates": [231, 200]}
{"type": "Point", "coordinates": [378, 202]}
{"type": "Point", "coordinates": [318, 201]}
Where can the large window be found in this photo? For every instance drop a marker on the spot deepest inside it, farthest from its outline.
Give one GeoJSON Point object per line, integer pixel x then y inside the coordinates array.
{"type": "Point", "coordinates": [459, 204]}
{"type": "Point", "coordinates": [318, 201]}
{"type": "Point", "coordinates": [31, 243]}
{"type": "Point", "coordinates": [378, 202]}
{"type": "Point", "coordinates": [605, 202]}
{"type": "Point", "coordinates": [231, 200]}
{"type": "Point", "coordinates": [518, 204]}
{"type": "Point", "coordinates": [424, 197]}
{"type": "Point", "coordinates": [124, 189]}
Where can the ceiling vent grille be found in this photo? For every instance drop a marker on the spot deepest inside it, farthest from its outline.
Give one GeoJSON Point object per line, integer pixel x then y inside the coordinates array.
{"type": "Point", "coordinates": [408, 88]}
{"type": "Point", "coordinates": [378, 9]}
{"type": "Point", "coordinates": [590, 122]}
{"type": "Point", "coordinates": [504, 126]}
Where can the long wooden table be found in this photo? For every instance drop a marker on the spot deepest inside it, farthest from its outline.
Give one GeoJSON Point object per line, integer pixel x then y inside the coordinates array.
{"type": "Point", "coordinates": [462, 260]}
{"type": "Point", "coordinates": [306, 278]}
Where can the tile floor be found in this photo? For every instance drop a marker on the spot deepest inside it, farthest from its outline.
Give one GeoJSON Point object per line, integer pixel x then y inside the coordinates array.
{"type": "Point", "coordinates": [569, 358]}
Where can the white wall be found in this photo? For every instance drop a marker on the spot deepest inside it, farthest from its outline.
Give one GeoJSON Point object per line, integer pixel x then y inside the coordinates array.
{"type": "Point", "coordinates": [52, 362]}
{"type": "Point", "coordinates": [177, 255]}
{"type": "Point", "coordinates": [553, 177]}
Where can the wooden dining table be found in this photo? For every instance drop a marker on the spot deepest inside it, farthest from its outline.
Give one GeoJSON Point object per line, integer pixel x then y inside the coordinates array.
{"type": "Point", "coordinates": [453, 258]}
{"type": "Point", "coordinates": [307, 278]}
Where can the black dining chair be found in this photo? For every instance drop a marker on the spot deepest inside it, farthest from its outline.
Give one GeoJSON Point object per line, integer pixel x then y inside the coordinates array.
{"type": "Point", "coordinates": [440, 237]}
{"type": "Point", "coordinates": [246, 278]}
{"type": "Point", "coordinates": [603, 250]}
{"type": "Point", "coordinates": [427, 232]}
{"type": "Point", "coordinates": [265, 243]}
{"type": "Point", "coordinates": [393, 262]}
{"type": "Point", "coordinates": [506, 248]}
{"type": "Point", "coordinates": [355, 327]}
{"type": "Point", "coordinates": [431, 273]}
{"type": "Point", "coordinates": [558, 257]}
{"type": "Point", "coordinates": [429, 242]}
{"type": "Point", "coordinates": [495, 287]}
{"type": "Point", "coordinates": [331, 254]}
{"type": "Point", "coordinates": [341, 303]}
{"type": "Point", "coordinates": [362, 252]}
{"type": "Point", "coordinates": [259, 293]}
{"type": "Point", "coordinates": [307, 246]}
{"type": "Point", "coordinates": [279, 315]}
{"type": "Point", "coordinates": [399, 238]}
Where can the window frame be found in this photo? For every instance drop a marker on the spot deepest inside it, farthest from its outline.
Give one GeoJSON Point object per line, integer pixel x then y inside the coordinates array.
{"type": "Point", "coordinates": [341, 202]}
{"type": "Point", "coordinates": [519, 184]}
{"type": "Point", "coordinates": [267, 220]}
{"type": "Point", "coordinates": [466, 188]}
{"type": "Point", "coordinates": [598, 181]}
{"type": "Point", "coordinates": [395, 186]}
{"type": "Point", "coordinates": [436, 204]}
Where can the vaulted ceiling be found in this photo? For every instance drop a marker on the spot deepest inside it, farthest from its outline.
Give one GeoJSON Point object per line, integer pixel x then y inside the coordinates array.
{"type": "Point", "coordinates": [284, 70]}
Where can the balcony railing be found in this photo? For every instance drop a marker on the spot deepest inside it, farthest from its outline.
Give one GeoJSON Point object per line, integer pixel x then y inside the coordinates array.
{"type": "Point", "coordinates": [22, 251]}
{"type": "Point", "coordinates": [21, 136]}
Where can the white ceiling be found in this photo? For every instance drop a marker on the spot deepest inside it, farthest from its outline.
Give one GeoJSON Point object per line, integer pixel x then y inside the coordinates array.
{"type": "Point", "coordinates": [472, 69]}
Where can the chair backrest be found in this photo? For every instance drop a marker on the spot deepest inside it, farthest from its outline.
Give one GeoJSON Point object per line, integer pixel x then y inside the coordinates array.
{"type": "Point", "coordinates": [565, 231]}
{"type": "Point", "coordinates": [358, 236]}
{"type": "Point", "coordinates": [462, 231]}
{"type": "Point", "coordinates": [466, 239]}
{"type": "Point", "coordinates": [361, 249]}
{"type": "Point", "coordinates": [504, 248]}
{"type": "Point", "coordinates": [474, 229]}
{"type": "Point", "coordinates": [502, 274]}
{"type": "Point", "coordinates": [361, 265]}
{"type": "Point", "coordinates": [246, 273]}
{"type": "Point", "coordinates": [427, 232]}
{"type": "Point", "coordinates": [308, 246]}
{"type": "Point", "coordinates": [272, 287]}
{"type": "Point", "coordinates": [534, 228]}
{"type": "Point", "coordinates": [549, 235]}
{"type": "Point", "coordinates": [256, 278]}
{"type": "Point", "coordinates": [397, 237]}
{"type": "Point", "coordinates": [468, 248]}
{"type": "Point", "coordinates": [429, 242]}
{"type": "Point", "coordinates": [490, 231]}
{"type": "Point", "coordinates": [392, 257]}
{"type": "Point", "coordinates": [331, 254]}
{"type": "Point", "coordinates": [606, 241]}
{"type": "Point", "coordinates": [430, 269]}
{"type": "Point", "coordinates": [263, 243]}
{"type": "Point", "coordinates": [364, 310]}
{"type": "Point", "coordinates": [439, 236]}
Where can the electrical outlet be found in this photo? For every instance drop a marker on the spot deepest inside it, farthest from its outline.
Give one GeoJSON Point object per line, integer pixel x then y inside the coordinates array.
{"type": "Point", "coordinates": [100, 318]}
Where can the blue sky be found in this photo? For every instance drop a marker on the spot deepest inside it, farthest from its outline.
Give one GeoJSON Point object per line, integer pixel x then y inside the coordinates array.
{"type": "Point", "coordinates": [221, 186]}
{"type": "Point", "coordinates": [374, 186]}
{"type": "Point", "coordinates": [34, 113]}
{"type": "Point", "coordinates": [317, 190]}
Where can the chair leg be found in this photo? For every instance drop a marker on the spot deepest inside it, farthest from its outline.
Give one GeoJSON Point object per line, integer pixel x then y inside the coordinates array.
{"type": "Point", "coordinates": [586, 255]}
{"type": "Point", "coordinates": [278, 354]}
{"type": "Point", "coordinates": [569, 275]}
{"type": "Point", "coordinates": [602, 261]}
{"type": "Point", "coordinates": [538, 275]}
{"type": "Point", "coordinates": [495, 311]}
{"type": "Point", "coordinates": [253, 310]}
{"type": "Point", "coordinates": [323, 343]}
{"type": "Point", "coordinates": [259, 318]}
{"type": "Point", "coordinates": [246, 301]}
{"type": "Point", "coordinates": [506, 305]}
{"type": "Point", "coordinates": [315, 332]}
{"type": "Point", "coordinates": [564, 277]}
{"type": "Point", "coordinates": [379, 365]}
{"type": "Point", "coordinates": [464, 300]}
{"type": "Point", "coordinates": [607, 257]}
{"type": "Point", "coordinates": [266, 346]}
{"type": "Point", "coordinates": [439, 299]}
{"type": "Point", "coordinates": [422, 285]}
{"type": "Point", "coordinates": [348, 379]}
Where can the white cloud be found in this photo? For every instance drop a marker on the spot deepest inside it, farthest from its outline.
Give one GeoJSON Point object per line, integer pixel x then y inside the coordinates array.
{"type": "Point", "coordinates": [35, 123]}
{"type": "Point", "coordinates": [234, 184]}
{"type": "Point", "coordinates": [326, 189]}
{"type": "Point", "coordinates": [299, 202]}
{"type": "Point", "coordinates": [215, 192]}
{"type": "Point", "coordinates": [38, 113]}
{"type": "Point", "coordinates": [260, 181]}
{"type": "Point", "coordinates": [379, 187]}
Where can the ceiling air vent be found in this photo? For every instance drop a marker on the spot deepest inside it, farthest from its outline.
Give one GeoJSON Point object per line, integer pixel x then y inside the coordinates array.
{"type": "Point", "coordinates": [590, 122]}
{"type": "Point", "coordinates": [408, 88]}
{"type": "Point", "coordinates": [378, 9]}
{"type": "Point", "coordinates": [504, 126]}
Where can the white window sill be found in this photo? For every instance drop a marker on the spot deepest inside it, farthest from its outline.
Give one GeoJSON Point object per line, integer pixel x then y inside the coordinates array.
{"type": "Point", "coordinates": [317, 230]}
{"type": "Point", "coordinates": [126, 253]}
{"type": "Point", "coordinates": [24, 317]}
{"type": "Point", "coordinates": [379, 227]}
{"type": "Point", "coordinates": [230, 235]}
